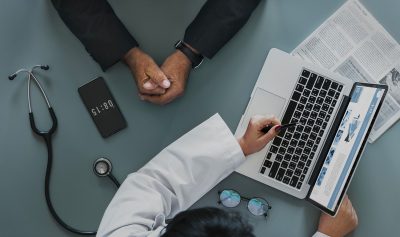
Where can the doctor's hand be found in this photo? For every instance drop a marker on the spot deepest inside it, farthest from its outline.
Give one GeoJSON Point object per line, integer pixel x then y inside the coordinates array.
{"type": "Point", "coordinates": [344, 222]}
{"type": "Point", "coordinates": [253, 139]}
{"type": "Point", "coordinates": [149, 77]}
{"type": "Point", "coordinates": [177, 68]}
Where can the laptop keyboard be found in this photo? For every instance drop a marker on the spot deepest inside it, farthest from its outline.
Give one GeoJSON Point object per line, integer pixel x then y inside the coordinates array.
{"type": "Point", "coordinates": [311, 106]}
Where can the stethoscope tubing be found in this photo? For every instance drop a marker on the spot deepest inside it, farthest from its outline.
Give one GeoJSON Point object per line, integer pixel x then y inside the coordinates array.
{"type": "Point", "coordinates": [48, 139]}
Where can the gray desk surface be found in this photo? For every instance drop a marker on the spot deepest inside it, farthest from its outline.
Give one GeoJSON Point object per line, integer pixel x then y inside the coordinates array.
{"type": "Point", "coordinates": [31, 33]}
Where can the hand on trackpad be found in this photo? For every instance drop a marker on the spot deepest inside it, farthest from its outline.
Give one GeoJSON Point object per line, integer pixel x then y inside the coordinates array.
{"type": "Point", "coordinates": [263, 103]}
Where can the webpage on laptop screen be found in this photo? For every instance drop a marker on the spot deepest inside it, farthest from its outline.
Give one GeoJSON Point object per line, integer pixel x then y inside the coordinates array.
{"type": "Point", "coordinates": [347, 143]}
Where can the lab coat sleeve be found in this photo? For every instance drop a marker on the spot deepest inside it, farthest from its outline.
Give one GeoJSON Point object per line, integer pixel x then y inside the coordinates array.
{"type": "Point", "coordinates": [319, 234]}
{"type": "Point", "coordinates": [173, 180]}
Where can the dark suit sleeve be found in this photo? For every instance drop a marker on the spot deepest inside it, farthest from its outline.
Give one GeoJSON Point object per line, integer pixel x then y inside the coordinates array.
{"type": "Point", "coordinates": [216, 23]}
{"type": "Point", "coordinates": [98, 28]}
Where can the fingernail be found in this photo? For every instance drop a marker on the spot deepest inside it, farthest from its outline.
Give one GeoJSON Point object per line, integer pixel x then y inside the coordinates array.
{"type": "Point", "coordinates": [166, 84]}
{"type": "Point", "coordinates": [148, 85]}
{"type": "Point", "coordinates": [141, 97]}
{"type": "Point", "coordinates": [278, 128]}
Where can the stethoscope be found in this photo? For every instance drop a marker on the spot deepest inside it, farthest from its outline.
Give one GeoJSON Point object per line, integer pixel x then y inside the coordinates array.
{"type": "Point", "coordinates": [101, 167]}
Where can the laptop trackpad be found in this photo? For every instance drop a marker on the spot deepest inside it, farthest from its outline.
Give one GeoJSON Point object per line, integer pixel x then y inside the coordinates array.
{"type": "Point", "coordinates": [264, 103]}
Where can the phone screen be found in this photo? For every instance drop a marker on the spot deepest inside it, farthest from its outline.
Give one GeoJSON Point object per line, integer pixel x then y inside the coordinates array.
{"type": "Point", "coordinates": [102, 107]}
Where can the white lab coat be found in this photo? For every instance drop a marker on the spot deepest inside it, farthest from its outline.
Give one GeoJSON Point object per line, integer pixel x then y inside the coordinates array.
{"type": "Point", "coordinates": [172, 181]}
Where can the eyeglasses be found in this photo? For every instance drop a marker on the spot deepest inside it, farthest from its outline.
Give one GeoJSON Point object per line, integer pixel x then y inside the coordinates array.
{"type": "Point", "coordinates": [256, 206]}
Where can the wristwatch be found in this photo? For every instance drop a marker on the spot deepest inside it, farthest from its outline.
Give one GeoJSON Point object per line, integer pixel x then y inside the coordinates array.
{"type": "Point", "coordinates": [195, 58]}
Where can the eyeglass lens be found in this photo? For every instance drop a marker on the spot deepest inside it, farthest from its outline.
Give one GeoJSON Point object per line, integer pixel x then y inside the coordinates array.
{"type": "Point", "coordinates": [229, 198]}
{"type": "Point", "coordinates": [257, 206]}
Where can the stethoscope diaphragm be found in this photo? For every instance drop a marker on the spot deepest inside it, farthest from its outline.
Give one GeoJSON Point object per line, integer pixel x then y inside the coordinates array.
{"type": "Point", "coordinates": [102, 167]}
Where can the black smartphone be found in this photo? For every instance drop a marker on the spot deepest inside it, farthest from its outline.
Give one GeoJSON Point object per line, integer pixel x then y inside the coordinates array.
{"type": "Point", "coordinates": [102, 107]}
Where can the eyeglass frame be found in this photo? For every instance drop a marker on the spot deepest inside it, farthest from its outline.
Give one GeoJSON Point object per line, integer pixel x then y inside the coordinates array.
{"type": "Point", "coordinates": [245, 199]}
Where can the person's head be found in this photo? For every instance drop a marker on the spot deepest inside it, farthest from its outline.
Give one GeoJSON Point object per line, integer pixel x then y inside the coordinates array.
{"type": "Point", "coordinates": [207, 222]}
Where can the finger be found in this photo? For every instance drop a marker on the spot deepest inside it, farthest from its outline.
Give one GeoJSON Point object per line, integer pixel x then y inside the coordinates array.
{"type": "Point", "coordinates": [353, 213]}
{"type": "Point", "coordinates": [355, 217]}
{"type": "Point", "coordinates": [345, 203]}
{"type": "Point", "coordinates": [156, 91]}
{"type": "Point", "coordinates": [263, 121]}
{"type": "Point", "coordinates": [348, 201]}
{"type": "Point", "coordinates": [157, 76]}
{"type": "Point", "coordinates": [157, 99]}
{"type": "Point", "coordinates": [271, 134]}
{"type": "Point", "coordinates": [176, 90]}
{"type": "Point", "coordinates": [149, 85]}
{"type": "Point", "coordinates": [271, 122]}
{"type": "Point", "coordinates": [275, 121]}
{"type": "Point", "coordinates": [169, 96]}
{"type": "Point", "coordinates": [146, 86]}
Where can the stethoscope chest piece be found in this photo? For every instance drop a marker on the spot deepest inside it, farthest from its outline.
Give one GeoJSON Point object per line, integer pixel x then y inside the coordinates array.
{"type": "Point", "coordinates": [102, 167]}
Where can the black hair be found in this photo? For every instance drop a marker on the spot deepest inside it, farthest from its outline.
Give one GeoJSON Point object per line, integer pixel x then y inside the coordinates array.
{"type": "Point", "coordinates": [207, 222]}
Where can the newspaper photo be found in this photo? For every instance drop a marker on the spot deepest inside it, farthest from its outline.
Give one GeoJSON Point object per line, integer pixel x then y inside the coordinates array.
{"type": "Point", "coordinates": [355, 45]}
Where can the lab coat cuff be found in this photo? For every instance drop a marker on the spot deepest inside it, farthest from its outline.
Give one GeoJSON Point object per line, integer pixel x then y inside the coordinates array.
{"type": "Point", "coordinates": [319, 234]}
{"type": "Point", "coordinates": [233, 148]}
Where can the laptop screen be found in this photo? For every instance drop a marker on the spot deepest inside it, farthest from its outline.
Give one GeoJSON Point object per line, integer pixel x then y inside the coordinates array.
{"type": "Point", "coordinates": [344, 152]}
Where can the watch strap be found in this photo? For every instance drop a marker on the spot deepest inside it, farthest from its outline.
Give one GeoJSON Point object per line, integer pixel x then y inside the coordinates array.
{"type": "Point", "coordinates": [195, 58]}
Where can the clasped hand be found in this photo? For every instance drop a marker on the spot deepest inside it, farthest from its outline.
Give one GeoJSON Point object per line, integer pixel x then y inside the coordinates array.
{"type": "Point", "coordinates": [159, 85]}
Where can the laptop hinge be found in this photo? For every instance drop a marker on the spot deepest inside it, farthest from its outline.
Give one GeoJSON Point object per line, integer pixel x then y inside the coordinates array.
{"type": "Point", "coordinates": [328, 141]}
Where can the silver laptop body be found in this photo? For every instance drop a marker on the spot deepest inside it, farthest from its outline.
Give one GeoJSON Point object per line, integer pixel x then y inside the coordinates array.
{"type": "Point", "coordinates": [271, 95]}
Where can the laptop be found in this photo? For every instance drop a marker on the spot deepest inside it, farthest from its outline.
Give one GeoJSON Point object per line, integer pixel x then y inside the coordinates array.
{"type": "Point", "coordinates": [316, 159]}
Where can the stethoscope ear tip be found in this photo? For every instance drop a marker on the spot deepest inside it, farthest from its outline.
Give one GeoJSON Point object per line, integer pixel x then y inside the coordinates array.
{"type": "Point", "coordinates": [45, 67]}
{"type": "Point", "coordinates": [12, 77]}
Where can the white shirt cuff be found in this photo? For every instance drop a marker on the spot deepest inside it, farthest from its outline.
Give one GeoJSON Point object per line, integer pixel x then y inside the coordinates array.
{"type": "Point", "coordinates": [319, 234]}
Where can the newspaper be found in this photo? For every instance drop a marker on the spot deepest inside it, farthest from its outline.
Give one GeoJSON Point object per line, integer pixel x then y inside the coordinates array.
{"type": "Point", "coordinates": [354, 44]}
